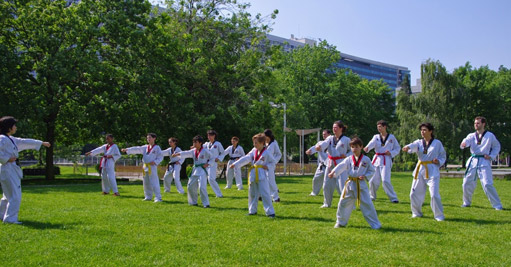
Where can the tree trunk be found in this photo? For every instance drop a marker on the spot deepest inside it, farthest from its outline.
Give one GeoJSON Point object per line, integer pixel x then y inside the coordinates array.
{"type": "Point", "coordinates": [50, 137]}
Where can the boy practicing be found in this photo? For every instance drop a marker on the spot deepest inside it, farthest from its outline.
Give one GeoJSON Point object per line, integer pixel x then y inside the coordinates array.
{"type": "Point", "coordinates": [385, 147]}
{"type": "Point", "coordinates": [151, 156]}
{"type": "Point", "coordinates": [358, 167]}
{"type": "Point", "coordinates": [484, 147]}
{"type": "Point", "coordinates": [235, 152]}
{"type": "Point", "coordinates": [198, 178]}
{"type": "Point", "coordinates": [259, 158]}
{"type": "Point", "coordinates": [111, 154]}
{"type": "Point", "coordinates": [317, 180]}
{"type": "Point", "coordinates": [216, 150]}
{"type": "Point", "coordinates": [173, 168]}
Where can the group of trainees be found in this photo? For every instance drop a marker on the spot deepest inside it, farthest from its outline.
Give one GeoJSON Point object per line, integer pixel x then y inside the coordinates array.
{"type": "Point", "coordinates": [342, 167]}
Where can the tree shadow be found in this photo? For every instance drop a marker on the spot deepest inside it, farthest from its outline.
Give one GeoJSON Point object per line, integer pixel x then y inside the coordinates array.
{"type": "Point", "coordinates": [316, 219]}
{"type": "Point", "coordinates": [477, 221]}
{"type": "Point", "coordinates": [292, 202]}
{"type": "Point", "coordinates": [47, 225]}
{"type": "Point", "coordinates": [392, 211]}
{"type": "Point", "coordinates": [228, 208]}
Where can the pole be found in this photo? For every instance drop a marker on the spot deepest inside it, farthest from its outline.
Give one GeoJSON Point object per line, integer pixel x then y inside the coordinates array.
{"type": "Point", "coordinates": [285, 152]}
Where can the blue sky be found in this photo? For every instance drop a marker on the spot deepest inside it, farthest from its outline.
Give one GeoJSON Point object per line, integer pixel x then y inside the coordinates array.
{"type": "Point", "coordinates": [401, 32]}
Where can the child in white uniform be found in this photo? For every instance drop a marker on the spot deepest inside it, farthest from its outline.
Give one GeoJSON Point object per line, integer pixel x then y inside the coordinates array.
{"type": "Point", "coordinates": [111, 154]}
{"type": "Point", "coordinates": [235, 152]}
{"type": "Point", "coordinates": [319, 176]}
{"type": "Point", "coordinates": [359, 168]}
{"type": "Point", "coordinates": [273, 147]}
{"type": "Point", "coordinates": [216, 150]}
{"type": "Point", "coordinates": [431, 154]}
{"type": "Point", "coordinates": [173, 168]}
{"type": "Point", "coordinates": [337, 146]}
{"type": "Point", "coordinates": [484, 147]}
{"type": "Point", "coordinates": [198, 178]}
{"type": "Point", "coordinates": [10, 172]}
{"type": "Point", "coordinates": [259, 158]}
{"type": "Point", "coordinates": [151, 156]}
{"type": "Point", "coordinates": [385, 147]}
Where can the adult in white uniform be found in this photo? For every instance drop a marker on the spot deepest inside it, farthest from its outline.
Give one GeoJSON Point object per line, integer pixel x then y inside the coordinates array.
{"type": "Point", "coordinates": [337, 148]}
{"type": "Point", "coordinates": [385, 147]}
{"type": "Point", "coordinates": [319, 175]}
{"type": "Point", "coordinates": [273, 147]}
{"type": "Point", "coordinates": [199, 178]}
{"type": "Point", "coordinates": [259, 158]}
{"type": "Point", "coordinates": [111, 154]}
{"type": "Point", "coordinates": [10, 172]}
{"type": "Point", "coordinates": [216, 150]}
{"type": "Point", "coordinates": [484, 147]}
{"type": "Point", "coordinates": [359, 168]}
{"type": "Point", "coordinates": [151, 156]}
{"type": "Point", "coordinates": [235, 152]}
{"type": "Point", "coordinates": [173, 171]}
{"type": "Point", "coordinates": [431, 154]}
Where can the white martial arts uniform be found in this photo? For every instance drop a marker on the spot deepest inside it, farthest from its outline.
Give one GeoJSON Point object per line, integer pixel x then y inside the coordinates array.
{"type": "Point", "coordinates": [319, 175]}
{"type": "Point", "coordinates": [337, 150]}
{"type": "Point", "coordinates": [478, 165]}
{"type": "Point", "coordinates": [216, 150]}
{"type": "Point", "coordinates": [355, 190]}
{"type": "Point", "coordinates": [383, 164]}
{"type": "Point", "coordinates": [107, 166]}
{"type": "Point", "coordinates": [427, 173]}
{"type": "Point", "coordinates": [274, 149]}
{"type": "Point", "coordinates": [258, 180]}
{"type": "Point", "coordinates": [199, 177]}
{"type": "Point", "coordinates": [234, 154]}
{"type": "Point", "coordinates": [151, 180]}
{"type": "Point", "coordinates": [173, 170]}
{"type": "Point", "coordinates": [11, 175]}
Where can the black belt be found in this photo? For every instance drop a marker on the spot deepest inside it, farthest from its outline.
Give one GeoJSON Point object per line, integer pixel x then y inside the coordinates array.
{"type": "Point", "coordinates": [171, 164]}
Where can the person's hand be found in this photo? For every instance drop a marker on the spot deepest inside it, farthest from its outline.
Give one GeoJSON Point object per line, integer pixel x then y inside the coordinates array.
{"type": "Point", "coordinates": [406, 148]}
{"type": "Point", "coordinates": [387, 153]}
{"type": "Point", "coordinates": [109, 156]}
{"type": "Point", "coordinates": [331, 174]}
{"type": "Point", "coordinates": [362, 177]}
{"type": "Point", "coordinates": [152, 163]}
{"type": "Point", "coordinates": [216, 160]}
{"type": "Point", "coordinates": [124, 150]}
{"type": "Point", "coordinates": [265, 167]}
{"type": "Point", "coordinates": [175, 155]}
{"type": "Point", "coordinates": [46, 144]}
{"type": "Point", "coordinates": [318, 148]}
{"type": "Point", "coordinates": [177, 163]}
{"type": "Point", "coordinates": [487, 157]}
{"type": "Point", "coordinates": [206, 165]}
{"type": "Point", "coordinates": [12, 159]}
{"type": "Point", "coordinates": [366, 149]}
{"type": "Point", "coordinates": [343, 155]}
{"type": "Point", "coordinates": [463, 144]}
{"type": "Point", "coordinates": [308, 152]}
{"type": "Point", "coordinates": [231, 166]}
{"type": "Point", "coordinates": [88, 154]}
{"type": "Point", "coordinates": [435, 161]}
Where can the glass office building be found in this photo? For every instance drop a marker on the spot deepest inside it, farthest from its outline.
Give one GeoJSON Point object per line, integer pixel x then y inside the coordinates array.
{"type": "Point", "coordinates": [392, 75]}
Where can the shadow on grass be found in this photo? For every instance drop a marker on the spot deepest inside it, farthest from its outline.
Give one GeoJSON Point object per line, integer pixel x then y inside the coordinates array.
{"type": "Point", "coordinates": [316, 219]}
{"type": "Point", "coordinates": [291, 202]}
{"type": "Point", "coordinates": [46, 225]}
{"type": "Point", "coordinates": [477, 221]}
{"type": "Point", "coordinates": [228, 208]}
{"type": "Point", "coordinates": [392, 211]}
{"type": "Point", "coordinates": [74, 188]}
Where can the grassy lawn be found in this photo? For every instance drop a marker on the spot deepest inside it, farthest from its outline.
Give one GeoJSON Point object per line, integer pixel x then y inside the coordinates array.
{"type": "Point", "coordinates": [75, 225]}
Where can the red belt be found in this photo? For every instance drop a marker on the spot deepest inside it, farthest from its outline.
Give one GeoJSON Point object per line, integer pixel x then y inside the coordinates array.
{"type": "Point", "coordinates": [380, 154]}
{"type": "Point", "coordinates": [336, 158]}
{"type": "Point", "coordinates": [105, 158]}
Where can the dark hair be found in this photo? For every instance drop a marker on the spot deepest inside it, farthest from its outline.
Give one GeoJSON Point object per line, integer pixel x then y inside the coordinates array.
{"type": "Point", "coordinates": [383, 123]}
{"type": "Point", "coordinates": [260, 138]}
{"type": "Point", "coordinates": [198, 138]}
{"type": "Point", "coordinates": [327, 131]}
{"type": "Point", "coordinates": [356, 141]}
{"type": "Point", "coordinates": [428, 126]}
{"type": "Point", "coordinates": [6, 123]}
{"type": "Point", "coordinates": [173, 139]}
{"type": "Point", "coordinates": [153, 135]}
{"type": "Point", "coordinates": [481, 118]}
{"type": "Point", "coordinates": [341, 125]}
{"type": "Point", "coordinates": [109, 135]}
{"type": "Point", "coordinates": [235, 138]}
{"type": "Point", "coordinates": [269, 133]}
{"type": "Point", "coordinates": [212, 132]}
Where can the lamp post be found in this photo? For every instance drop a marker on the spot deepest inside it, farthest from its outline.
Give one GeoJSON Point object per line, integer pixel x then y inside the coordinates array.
{"type": "Point", "coordinates": [284, 130]}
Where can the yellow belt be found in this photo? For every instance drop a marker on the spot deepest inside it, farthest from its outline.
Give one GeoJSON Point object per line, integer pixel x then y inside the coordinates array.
{"type": "Point", "coordinates": [256, 167]}
{"type": "Point", "coordinates": [425, 164]}
{"type": "Point", "coordinates": [357, 180]}
{"type": "Point", "coordinates": [146, 166]}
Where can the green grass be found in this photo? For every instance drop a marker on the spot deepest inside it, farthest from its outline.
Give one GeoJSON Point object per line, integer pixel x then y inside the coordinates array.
{"type": "Point", "coordinates": [76, 225]}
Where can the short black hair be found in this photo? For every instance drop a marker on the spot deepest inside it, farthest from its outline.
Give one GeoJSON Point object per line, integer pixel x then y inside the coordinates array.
{"type": "Point", "coordinates": [327, 131]}
{"type": "Point", "coordinates": [212, 132]}
{"type": "Point", "coordinates": [269, 134]}
{"type": "Point", "coordinates": [383, 123]}
{"type": "Point", "coordinates": [198, 138]}
{"type": "Point", "coordinates": [109, 135]}
{"type": "Point", "coordinates": [356, 141]}
{"type": "Point", "coordinates": [428, 126]}
{"type": "Point", "coordinates": [153, 135]}
{"type": "Point", "coordinates": [6, 124]}
{"type": "Point", "coordinates": [341, 125]}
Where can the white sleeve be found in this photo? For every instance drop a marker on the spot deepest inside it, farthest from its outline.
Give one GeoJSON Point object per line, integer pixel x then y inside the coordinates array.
{"type": "Point", "coordinates": [396, 148]}
{"type": "Point", "coordinates": [25, 144]}
{"type": "Point", "coordinates": [4, 156]}
{"type": "Point", "coordinates": [441, 155]}
{"type": "Point", "coordinates": [341, 167]}
{"type": "Point", "coordinates": [242, 152]}
{"type": "Point", "coordinates": [243, 160]}
{"type": "Point", "coordinates": [97, 150]}
{"type": "Point", "coordinates": [135, 150]}
{"type": "Point", "coordinates": [495, 147]}
{"type": "Point", "coordinates": [277, 153]}
{"type": "Point", "coordinates": [371, 143]}
{"type": "Point", "coordinates": [116, 154]}
{"type": "Point", "coordinates": [221, 151]}
{"type": "Point", "coordinates": [370, 169]}
{"type": "Point", "coordinates": [187, 154]}
{"type": "Point", "coordinates": [414, 147]}
{"type": "Point", "coordinates": [159, 158]}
